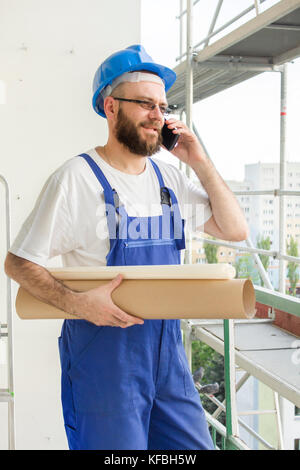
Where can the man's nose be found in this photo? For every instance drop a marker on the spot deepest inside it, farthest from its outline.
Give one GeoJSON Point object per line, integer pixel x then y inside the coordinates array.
{"type": "Point", "coordinates": [157, 114]}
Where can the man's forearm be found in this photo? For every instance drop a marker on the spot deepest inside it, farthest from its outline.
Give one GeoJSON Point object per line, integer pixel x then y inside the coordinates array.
{"type": "Point", "coordinates": [94, 305]}
{"type": "Point", "coordinates": [225, 207]}
{"type": "Point", "coordinates": [41, 284]}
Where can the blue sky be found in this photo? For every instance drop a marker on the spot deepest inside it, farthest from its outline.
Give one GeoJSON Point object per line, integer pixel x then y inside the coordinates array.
{"type": "Point", "coordinates": [240, 125]}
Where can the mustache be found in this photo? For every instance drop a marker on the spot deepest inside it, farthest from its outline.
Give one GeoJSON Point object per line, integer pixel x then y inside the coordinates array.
{"type": "Point", "coordinates": [152, 125]}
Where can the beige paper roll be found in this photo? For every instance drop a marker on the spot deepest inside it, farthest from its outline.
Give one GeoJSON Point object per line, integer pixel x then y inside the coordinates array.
{"type": "Point", "coordinates": [186, 295]}
{"type": "Point", "coordinates": [169, 271]}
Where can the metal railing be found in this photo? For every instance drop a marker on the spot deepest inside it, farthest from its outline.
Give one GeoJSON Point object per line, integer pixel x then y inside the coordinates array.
{"type": "Point", "coordinates": [247, 249]}
{"type": "Point", "coordinates": [212, 32]}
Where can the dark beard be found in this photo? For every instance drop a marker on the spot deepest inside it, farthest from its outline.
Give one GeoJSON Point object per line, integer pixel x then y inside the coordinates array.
{"type": "Point", "coordinates": [127, 134]}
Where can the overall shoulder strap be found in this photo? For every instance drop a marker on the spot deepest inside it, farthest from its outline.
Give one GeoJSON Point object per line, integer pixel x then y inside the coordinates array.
{"type": "Point", "coordinates": [165, 196]}
{"type": "Point", "coordinates": [108, 191]}
{"type": "Point", "coordinates": [168, 197]}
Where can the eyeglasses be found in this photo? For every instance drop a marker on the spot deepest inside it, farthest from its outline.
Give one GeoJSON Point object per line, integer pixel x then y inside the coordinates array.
{"type": "Point", "coordinates": [147, 105]}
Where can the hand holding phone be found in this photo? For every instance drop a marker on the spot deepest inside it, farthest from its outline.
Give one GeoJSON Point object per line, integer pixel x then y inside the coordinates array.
{"type": "Point", "coordinates": [169, 139]}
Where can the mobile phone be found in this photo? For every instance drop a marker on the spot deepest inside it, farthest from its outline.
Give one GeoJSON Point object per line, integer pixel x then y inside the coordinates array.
{"type": "Point", "coordinates": [169, 139]}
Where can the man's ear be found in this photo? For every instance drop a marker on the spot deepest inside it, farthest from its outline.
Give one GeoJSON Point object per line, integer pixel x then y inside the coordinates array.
{"type": "Point", "coordinates": [110, 107]}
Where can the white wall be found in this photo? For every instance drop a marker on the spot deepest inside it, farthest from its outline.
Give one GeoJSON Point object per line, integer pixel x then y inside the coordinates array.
{"type": "Point", "coordinates": [49, 52]}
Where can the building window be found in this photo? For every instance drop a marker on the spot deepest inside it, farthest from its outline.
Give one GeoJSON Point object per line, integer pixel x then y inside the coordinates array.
{"type": "Point", "coordinates": [297, 411]}
{"type": "Point", "coordinates": [297, 444]}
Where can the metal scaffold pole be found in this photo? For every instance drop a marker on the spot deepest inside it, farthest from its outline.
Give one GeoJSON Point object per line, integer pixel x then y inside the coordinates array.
{"type": "Point", "coordinates": [181, 28]}
{"type": "Point", "coordinates": [189, 97]}
{"type": "Point", "coordinates": [282, 222]}
{"type": "Point", "coordinates": [230, 391]}
{"type": "Point", "coordinates": [189, 70]}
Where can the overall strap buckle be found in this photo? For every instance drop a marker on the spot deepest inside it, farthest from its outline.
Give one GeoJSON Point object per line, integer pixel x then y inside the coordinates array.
{"type": "Point", "coordinates": [117, 201]}
{"type": "Point", "coordinates": [165, 197]}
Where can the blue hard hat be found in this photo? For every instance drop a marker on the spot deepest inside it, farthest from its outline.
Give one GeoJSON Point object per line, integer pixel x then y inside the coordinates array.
{"type": "Point", "coordinates": [131, 59]}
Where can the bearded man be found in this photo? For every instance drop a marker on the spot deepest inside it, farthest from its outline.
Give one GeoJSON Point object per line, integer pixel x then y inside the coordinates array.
{"type": "Point", "coordinates": [126, 382]}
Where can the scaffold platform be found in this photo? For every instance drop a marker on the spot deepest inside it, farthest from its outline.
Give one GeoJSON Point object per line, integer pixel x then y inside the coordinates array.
{"type": "Point", "coordinates": [262, 44]}
{"type": "Point", "coordinates": [265, 351]}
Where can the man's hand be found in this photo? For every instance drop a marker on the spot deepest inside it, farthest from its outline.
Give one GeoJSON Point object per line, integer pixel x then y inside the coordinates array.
{"type": "Point", "coordinates": [96, 306]}
{"type": "Point", "coordinates": [188, 148]}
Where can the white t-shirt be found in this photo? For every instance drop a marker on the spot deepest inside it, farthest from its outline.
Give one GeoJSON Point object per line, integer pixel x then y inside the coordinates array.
{"type": "Point", "coordinates": [69, 216]}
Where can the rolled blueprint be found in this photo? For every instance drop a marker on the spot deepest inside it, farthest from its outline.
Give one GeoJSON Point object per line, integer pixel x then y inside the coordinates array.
{"type": "Point", "coordinates": [155, 292]}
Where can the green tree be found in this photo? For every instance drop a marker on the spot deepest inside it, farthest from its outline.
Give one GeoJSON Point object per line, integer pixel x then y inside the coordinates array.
{"type": "Point", "coordinates": [293, 273]}
{"type": "Point", "coordinates": [264, 244]}
{"type": "Point", "coordinates": [246, 269]}
{"type": "Point", "coordinates": [210, 252]}
{"type": "Point", "coordinates": [213, 364]}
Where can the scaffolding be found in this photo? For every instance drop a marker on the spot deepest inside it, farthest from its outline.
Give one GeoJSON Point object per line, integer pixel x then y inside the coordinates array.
{"type": "Point", "coordinates": [6, 333]}
{"type": "Point", "coordinates": [265, 43]}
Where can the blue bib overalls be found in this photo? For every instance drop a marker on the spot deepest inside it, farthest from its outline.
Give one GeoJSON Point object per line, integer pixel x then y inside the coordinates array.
{"type": "Point", "coordinates": [131, 388]}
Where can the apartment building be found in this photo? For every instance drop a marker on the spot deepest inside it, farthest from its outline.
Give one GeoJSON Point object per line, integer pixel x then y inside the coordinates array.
{"type": "Point", "coordinates": [262, 211]}
{"type": "Point", "coordinates": [224, 254]}
{"type": "Point", "coordinates": [264, 218]}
